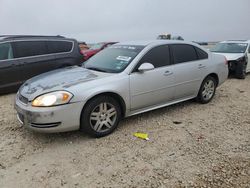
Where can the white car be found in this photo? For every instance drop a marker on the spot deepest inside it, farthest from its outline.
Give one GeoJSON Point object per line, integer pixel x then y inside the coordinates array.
{"type": "Point", "coordinates": [237, 54]}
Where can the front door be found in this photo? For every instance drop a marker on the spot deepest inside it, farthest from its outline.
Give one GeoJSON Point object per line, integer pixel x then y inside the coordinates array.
{"type": "Point", "coordinates": [155, 86]}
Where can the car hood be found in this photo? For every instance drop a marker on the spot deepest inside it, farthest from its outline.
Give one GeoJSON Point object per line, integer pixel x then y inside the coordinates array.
{"type": "Point", "coordinates": [232, 56]}
{"type": "Point", "coordinates": [60, 79]}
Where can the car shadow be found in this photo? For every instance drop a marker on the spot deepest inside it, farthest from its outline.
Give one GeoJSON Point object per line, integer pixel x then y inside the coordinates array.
{"type": "Point", "coordinates": [160, 111]}
{"type": "Point", "coordinates": [231, 76]}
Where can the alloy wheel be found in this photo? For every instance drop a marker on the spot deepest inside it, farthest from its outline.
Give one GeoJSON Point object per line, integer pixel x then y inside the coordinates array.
{"type": "Point", "coordinates": [103, 117]}
{"type": "Point", "coordinates": [208, 90]}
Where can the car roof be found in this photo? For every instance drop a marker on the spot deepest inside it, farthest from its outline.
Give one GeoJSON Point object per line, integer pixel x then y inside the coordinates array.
{"type": "Point", "coordinates": [153, 42]}
{"type": "Point", "coordinates": [25, 37]}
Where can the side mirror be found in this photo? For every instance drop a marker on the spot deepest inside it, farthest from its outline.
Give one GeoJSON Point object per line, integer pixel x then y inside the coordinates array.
{"type": "Point", "coordinates": [145, 67]}
{"type": "Point", "coordinates": [249, 49]}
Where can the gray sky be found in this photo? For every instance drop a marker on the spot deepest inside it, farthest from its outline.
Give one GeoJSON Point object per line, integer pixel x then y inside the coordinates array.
{"type": "Point", "coordinates": [121, 20]}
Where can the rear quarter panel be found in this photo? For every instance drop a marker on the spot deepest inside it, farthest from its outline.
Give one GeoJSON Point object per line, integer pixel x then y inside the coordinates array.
{"type": "Point", "coordinates": [218, 65]}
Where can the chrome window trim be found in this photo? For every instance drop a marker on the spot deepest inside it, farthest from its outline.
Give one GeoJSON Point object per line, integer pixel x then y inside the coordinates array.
{"type": "Point", "coordinates": [142, 54]}
{"type": "Point", "coordinates": [10, 41]}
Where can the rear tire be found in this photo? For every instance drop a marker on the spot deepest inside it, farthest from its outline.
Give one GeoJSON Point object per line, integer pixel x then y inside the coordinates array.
{"type": "Point", "coordinates": [207, 90]}
{"type": "Point", "coordinates": [100, 116]}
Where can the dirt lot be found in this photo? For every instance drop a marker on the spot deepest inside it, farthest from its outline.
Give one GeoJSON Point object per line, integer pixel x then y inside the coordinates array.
{"type": "Point", "coordinates": [191, 145]}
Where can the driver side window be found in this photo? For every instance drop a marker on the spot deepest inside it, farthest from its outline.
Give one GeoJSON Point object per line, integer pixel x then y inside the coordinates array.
{"type": "Point", "coordinates": [158, 56]}
{"type": "Point", "coordinates": [249, 49]}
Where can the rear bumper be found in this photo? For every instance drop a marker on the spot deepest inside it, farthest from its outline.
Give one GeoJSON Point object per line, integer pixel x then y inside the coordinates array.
{"type": "Point", "coordinates": [50, 119]}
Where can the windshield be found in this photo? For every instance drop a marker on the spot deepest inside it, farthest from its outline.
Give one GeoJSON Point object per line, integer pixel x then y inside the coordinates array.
{"type": "Point", "coordinates": [230, 48]}
{"type": "Point", "coordinates": [96, 46]}
{"type": "Point", "coordinates": [113, 59]}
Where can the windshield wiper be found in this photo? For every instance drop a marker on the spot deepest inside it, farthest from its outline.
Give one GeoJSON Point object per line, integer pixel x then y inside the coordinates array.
{"type": "Point", "coordinates": [95, 69]}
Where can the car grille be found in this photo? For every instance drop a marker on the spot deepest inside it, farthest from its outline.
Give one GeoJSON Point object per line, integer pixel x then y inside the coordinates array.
{"type": "Point", "coordinates": [23, 99]}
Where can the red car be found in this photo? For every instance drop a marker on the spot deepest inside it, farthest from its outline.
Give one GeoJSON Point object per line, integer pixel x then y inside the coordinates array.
{"type": "Point", "coordinates": [95, 49]}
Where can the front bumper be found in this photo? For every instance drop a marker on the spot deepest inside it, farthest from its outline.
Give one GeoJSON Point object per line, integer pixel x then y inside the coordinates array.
{"type": "Point", "coordinates": [50, 119]}
{"type": "Point", "coordinates": [232, 65]}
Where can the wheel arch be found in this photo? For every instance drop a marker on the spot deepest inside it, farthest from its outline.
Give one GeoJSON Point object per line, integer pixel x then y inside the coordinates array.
{"type": "Point", "coordinates": [114, 95]}
{"type": "Point", "coordinates": [215, 76]}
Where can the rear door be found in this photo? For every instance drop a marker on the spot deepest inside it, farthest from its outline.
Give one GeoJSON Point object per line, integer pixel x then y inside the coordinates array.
{"type": "Point", "coordinates": [33, 58]}
{"type": "Point", "coordinates": [9, 69]}
{"type": "Point", "coordinates": [189, 69]}
{"type": "Point", "coordinates": [152, 87]}
{"type": "Point", "coordinates": [63, 51]}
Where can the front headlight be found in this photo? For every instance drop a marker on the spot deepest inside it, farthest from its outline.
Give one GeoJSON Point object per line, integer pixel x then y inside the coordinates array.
{"type": "Point", "coordinates": [52, 99]}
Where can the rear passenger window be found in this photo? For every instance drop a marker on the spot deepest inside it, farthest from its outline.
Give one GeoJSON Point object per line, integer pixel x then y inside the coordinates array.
{"type": "Point", "coordinates": [59, 46]}
{"type": "Point", "coordinates": [6, 51]}
{"type": "Point", "coordinates": [29, 48]}
{"type": "Point", "coordinates": [184, 53]}
{"type": "Point", "coordinates": [201, 54]}
{"type": "Point", "coordinates": [158, 56]}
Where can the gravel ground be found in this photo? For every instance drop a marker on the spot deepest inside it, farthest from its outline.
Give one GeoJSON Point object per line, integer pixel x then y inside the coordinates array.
{"type": "Point", "coordinates": [191, 145]}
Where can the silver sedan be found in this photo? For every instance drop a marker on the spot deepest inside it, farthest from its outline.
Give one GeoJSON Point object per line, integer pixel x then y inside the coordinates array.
{"type": "Point", "coordinates": [122, 80]}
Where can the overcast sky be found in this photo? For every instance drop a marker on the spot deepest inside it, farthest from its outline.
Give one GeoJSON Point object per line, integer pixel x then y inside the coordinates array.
{"type": "Point", "coordinates": [121, 20]}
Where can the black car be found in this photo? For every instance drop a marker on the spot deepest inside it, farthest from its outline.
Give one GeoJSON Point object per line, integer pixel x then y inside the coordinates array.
{"type": "Point", "coordinates": [22, 57]}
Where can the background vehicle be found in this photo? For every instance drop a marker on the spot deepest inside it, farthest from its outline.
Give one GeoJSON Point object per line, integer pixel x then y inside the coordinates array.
{"type": "Point", "coordinates": [201, 43]}
{"type": "Point", "coordinates": [95, 48]}
{"type": "Point", "coordinates": [122, 80]}
{"type": "Point", "coordinates": [22, 57]}
{"type": "Point", "coordinates": [168, 36]}
{"type": "Point", "coordinates": [237, 54]}
{"type": "Point", "coordinates": [83, 46]}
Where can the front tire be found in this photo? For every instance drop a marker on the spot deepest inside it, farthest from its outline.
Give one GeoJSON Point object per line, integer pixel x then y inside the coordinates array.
{"type": "Point", "coordinates": [207, 90]}
{"type": "Point", "coordinates": [100, 116]}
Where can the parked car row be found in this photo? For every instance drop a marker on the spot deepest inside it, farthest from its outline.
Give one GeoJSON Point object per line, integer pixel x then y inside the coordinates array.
{"type": "Point", "coordinates": [120, 81]}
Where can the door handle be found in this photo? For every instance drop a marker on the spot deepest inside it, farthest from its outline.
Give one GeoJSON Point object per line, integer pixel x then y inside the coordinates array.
{"type": "Point", "coordinates": [168, 73]}
{"type": "Point", "coordinates": [201, 66]}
